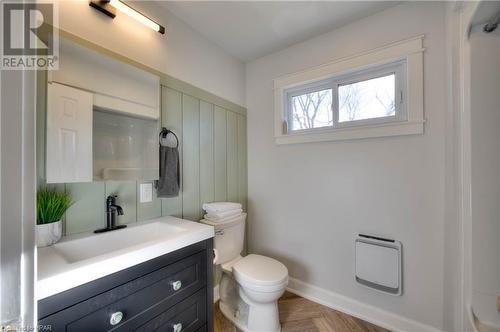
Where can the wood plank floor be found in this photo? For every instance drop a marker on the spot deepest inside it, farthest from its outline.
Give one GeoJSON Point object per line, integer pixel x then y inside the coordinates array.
{"type": "Point", "coordinates": [300, 315]}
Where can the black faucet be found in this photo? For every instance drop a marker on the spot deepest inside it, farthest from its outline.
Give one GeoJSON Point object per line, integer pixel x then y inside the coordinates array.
{"type": "Point", "coordinates": [111, 208]}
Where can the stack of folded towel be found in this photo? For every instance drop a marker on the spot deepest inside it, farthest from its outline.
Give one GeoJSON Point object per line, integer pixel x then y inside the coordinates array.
{"type": "Point", "coordinates": [222, 211]}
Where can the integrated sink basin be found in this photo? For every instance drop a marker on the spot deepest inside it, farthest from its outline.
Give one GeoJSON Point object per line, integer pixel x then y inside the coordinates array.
{"type": "Point", "coordinates": [74, 250]}
{"type": "Point", "coordinates": [79, 259]}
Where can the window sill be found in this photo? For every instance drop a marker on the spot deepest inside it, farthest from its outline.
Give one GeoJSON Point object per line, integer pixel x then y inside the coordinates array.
{"type": "Point", "coordinates": [414, 127]}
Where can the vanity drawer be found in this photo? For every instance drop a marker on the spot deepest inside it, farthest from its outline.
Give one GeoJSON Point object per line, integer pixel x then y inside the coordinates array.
{"type": "Point", "coordinates": [138, 300]}
{"type": "Point", "coordinates": [187, 316]}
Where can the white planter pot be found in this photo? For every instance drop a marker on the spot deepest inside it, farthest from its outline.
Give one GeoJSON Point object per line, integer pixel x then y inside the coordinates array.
{"type": "Point", "coordinates": [48, 234]}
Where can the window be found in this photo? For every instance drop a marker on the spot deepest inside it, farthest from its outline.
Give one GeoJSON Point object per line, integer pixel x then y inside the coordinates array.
{"type": "Point", "coordinates": [310, 110]}
{"type": "Point", "coordinates": [378, 93]}
{"type": "Point", "coordinates": [363, 97]}
{"type": "Point", "coordinates": [369, 99]}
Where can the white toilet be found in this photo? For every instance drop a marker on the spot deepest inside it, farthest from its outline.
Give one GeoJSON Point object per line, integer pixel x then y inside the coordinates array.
{"type": "Point", "coordinates": [250, 285]}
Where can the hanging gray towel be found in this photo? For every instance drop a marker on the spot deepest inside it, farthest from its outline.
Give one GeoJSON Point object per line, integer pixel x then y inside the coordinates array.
{"type": "Point", "coordinates": [169, 182]}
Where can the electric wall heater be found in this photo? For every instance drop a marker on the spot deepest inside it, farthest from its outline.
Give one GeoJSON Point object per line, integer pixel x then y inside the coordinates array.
{"type": "Point", "coordinates": [379, 263]}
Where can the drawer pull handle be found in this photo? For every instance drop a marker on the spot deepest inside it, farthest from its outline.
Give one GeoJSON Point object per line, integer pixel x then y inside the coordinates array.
{"type": "Point", "coordinates": [178, 327]}
{"type": "Point", "coordinates": [116, 318]}
{"type": "Point", "coordinates": [176, 285]}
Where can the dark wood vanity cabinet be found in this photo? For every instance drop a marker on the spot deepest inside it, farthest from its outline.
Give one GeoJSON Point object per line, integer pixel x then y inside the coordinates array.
{"type": "Point", "coordinates": [173, 292]}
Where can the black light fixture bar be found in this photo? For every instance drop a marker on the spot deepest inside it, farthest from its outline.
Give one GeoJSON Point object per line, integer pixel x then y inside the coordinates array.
{"type": "Point", "coordinates": [109, 8]}
{"type": "Point", "coordinates": [104, 7]}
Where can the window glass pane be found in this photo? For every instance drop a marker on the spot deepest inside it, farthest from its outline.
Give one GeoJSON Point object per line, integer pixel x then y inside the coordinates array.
{"type": "Point", "coordinates": [374, 98]}
{"type": "Point", "coordinates": [312, 110]}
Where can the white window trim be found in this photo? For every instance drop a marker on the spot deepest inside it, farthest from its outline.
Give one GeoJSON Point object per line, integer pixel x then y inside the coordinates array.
{"type": "Point", "coordinates": [409, 51]}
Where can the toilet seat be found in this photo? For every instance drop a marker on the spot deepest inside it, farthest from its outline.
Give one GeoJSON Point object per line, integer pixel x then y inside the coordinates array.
{"type": "Point", "coordinates": [260, 273]}
{"type": "Point", "coordinates": [228, 266]}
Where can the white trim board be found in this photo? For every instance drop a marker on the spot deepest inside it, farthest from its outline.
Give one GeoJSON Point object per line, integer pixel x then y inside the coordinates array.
{"type": "Point", "coordinates": [357, 309]}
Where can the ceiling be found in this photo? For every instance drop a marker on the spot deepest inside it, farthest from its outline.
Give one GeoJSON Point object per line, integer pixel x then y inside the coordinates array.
{"type": "Point", "coordinates": [485, 12]}
{"type": "Point", "coordinates": [251, 29]}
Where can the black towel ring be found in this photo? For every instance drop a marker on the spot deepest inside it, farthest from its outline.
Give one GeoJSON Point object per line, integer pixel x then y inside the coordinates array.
{"type": "Point", "coordinates": [164, 133]}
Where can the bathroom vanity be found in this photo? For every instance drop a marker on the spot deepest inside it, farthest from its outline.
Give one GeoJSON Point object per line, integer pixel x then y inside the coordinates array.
{"type": "Point", "coordinates": [156, 275]}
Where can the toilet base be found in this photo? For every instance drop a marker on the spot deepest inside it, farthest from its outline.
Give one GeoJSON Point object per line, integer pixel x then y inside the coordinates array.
{"type": "Point", "coordinates": [239, 321]}
{"type": "Point", "coordinates": [243, 312]}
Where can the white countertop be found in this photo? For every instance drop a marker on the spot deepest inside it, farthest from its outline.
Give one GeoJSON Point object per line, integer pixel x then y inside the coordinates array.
{"type": "Point", "coordinates": [82, 258]}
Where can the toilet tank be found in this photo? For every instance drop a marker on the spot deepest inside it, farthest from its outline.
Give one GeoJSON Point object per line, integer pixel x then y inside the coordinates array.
{"type": "Point", "coordinates": [229, 238]}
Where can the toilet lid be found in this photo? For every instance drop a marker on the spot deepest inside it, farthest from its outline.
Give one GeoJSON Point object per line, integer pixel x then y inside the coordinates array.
{"type": "Point", "coordinates": [260, 270]}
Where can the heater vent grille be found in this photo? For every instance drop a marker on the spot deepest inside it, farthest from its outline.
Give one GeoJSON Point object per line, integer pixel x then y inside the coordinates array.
{"type": "Point", "coordinates": [379, 263]}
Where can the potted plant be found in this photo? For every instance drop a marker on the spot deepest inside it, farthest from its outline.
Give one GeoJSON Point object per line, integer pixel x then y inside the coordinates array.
{"type": "Point", "coordinates": [50, 207]}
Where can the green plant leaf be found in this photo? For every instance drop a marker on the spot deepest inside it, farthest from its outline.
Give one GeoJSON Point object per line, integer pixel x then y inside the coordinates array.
{"type": "Point", "coordinates": [51, 205]}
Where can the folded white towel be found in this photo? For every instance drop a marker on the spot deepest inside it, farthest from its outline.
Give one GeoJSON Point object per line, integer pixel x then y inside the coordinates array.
{"type": "Point", "coordinates": [222, 215]}
{"type": "Point", "coordinates": [209, 218]}
{"type": "Point", "coordinates": [221, 206]}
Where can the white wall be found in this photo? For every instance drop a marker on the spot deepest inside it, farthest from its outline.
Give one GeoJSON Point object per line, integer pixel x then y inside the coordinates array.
{"type": "Point", "coordinates": [181, 52]}
{"type": "Point", "coordinates": [307, 202]}
{"type": "Point", "coordinates": [485, 153]}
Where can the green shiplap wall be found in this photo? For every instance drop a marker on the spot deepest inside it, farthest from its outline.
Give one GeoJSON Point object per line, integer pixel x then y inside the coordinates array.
{"type": "Point", "coordinates": [220, 152]}
{"type": "Point", "coordinates": [171, 114]}
{"type": "Point", "coordinates": [213, 165]}
{"type": "Point", "coordinates": [213, 141]}
{"type": "Point", "coordinates": [207, 160]}
{"type": "Point", "coordinates": [190, 157]}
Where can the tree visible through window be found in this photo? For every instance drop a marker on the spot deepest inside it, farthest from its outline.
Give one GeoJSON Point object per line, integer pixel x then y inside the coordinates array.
{"type": "Point", "coordinates": [369, 99]}
{"type": "Point", "coordinates": [312, 110]}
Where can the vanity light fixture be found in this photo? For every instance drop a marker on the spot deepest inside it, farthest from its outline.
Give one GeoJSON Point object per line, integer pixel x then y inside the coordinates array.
{"type": "Point", "coordinates": [109, 8]}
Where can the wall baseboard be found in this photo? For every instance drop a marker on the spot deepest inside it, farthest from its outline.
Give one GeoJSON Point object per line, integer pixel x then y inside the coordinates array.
{"type": "Point", "coordinates": [216, 293]}
{"type": "Point", "coordinates": [357, 309]}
